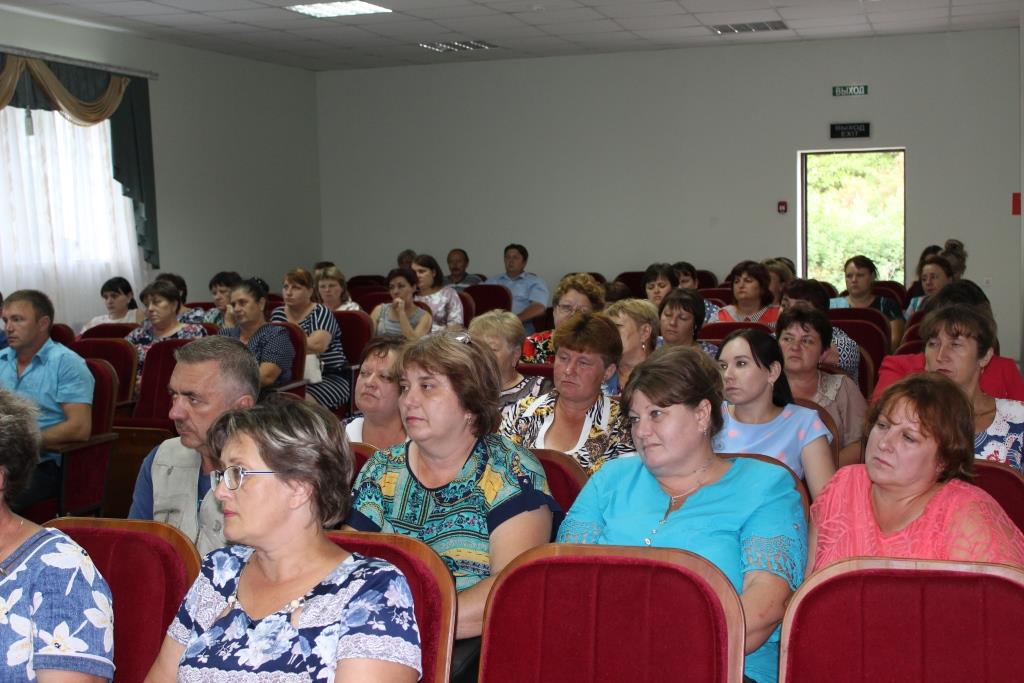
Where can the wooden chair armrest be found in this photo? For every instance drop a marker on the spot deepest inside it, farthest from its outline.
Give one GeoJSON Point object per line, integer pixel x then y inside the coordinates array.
{"type": "Point", "coordinates": [289, 386]}
{"type": "Point", "coordinates": [94, 440]}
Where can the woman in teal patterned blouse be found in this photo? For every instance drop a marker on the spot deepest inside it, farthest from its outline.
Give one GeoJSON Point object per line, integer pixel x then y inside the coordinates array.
{"type": "Point", "coordinates": [474, 497]}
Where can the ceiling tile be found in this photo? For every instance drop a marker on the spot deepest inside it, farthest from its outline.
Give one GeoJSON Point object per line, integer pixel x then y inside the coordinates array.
{"type": "Point", "coordinates": [211, 5]}
{"type": "Point", "coordinates": [712, 18]}
{"type": "Point", "coordinates": [677, 35]}
{"type": "Point", "coordinates": [133, 8]}
{"type": "Point", "coordinates": [909, 16]}
{"type": "Point", "coordinates": [669, 21]}
{"type": "Point", "coordinates": [815, 11]}
{"type": "Point", "coordinates": [726, 5]}
{"type": "Point", "coordinates": [578, 27]}
{"type": "Point", "coordinates": [558, 16]}
{"type": "Point", "coordinates": [826, 21]}
{"type": "Point", "coordinates": [987, 8]}
{"type": "Point", "coordinates": [529, 5]}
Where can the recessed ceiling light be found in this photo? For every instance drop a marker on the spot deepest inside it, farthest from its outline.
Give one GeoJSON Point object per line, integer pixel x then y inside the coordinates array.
{"type": "Point", "coordinates": [458, 46]}
{"type": "Point", "coordinates": [337, 9]}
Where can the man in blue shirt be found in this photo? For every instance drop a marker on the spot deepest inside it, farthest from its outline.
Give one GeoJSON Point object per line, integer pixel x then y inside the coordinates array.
{"type": "Point", "coordinates": [50, 374]}
{"type": "Point", "coordinates": [529, 293]}
{"type": "Point", "coordinates": [212, 376]}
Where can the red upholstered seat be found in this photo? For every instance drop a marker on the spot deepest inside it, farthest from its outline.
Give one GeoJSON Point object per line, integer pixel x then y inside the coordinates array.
{"type": "Point", "coordinates": [62, 334]}
{"type": "Point", "coordinates": [297, 337]}
{"type": "Point", "coordinates": [361, 452]}
{"type": "Point", "coordinates": [361, 280]}
{"type": "Point", "coordinates": [706, 279]}
{"type": "Point", "coordinates": [892, 289]}
{"type": "Point", "coordinates": [109, 330]}
{"type": "Point", "coordinates": [566, 478]}
{"type": "Point", "coordinates": [870, 315]}
{"type": "Point", "coordinates": [719, 294]}
{"type": "Point", "coordinates": [910, 347]}
{"type": "Point", "coordinates": [122, 357]}
{"type": "Point", "coordinates": [468, 307]}
{"type": "Point", "coordinates": [871, 338]}
{"type": "Point", "coordinates": [634, 279]}
{"type": "Point", "coordinates": [149, 567]}
{"type": "Point", "coordinates": [356, 332]}
{"type": "Point", "coordinates": [868, 620]}
{"type": "Point", "coordinates": [536, 369]}
{"type": "Point", "coordinates": [490, 297]}
{"type": "Point", "coordinates": [912, 333]}
{"type": "Point", "coordinates": [369, 299]}
{"type": "Point", "coordinates": [1005, 484]}
{"type": "Point", "coordinates": [716, 332]}
{"type": "Point", "coordinates": [589, 614]}
{"type": "Point", "coordinates": [432, 588]}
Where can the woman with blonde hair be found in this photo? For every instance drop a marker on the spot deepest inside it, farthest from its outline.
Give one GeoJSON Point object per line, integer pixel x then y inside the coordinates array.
{"type": "Point", "coordinates": [637, 321]}
{"type": "Point", "coordinates": [332, 288]}
{"type": "Point", "coordinates": [504, 333]}
{"type": "Point", "coordinates": [575, 292]}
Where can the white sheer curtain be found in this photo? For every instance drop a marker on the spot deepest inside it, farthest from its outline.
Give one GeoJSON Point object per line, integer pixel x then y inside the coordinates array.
{"type": "Point", "coordinates": [65, 226]}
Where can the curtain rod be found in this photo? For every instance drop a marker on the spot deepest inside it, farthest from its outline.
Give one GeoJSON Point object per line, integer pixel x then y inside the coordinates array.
{"type": "Point", "coordinates": [49, 57]}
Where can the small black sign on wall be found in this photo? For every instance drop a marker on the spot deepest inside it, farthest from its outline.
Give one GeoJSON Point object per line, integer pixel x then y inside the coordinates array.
{"type": "Point", "coordinates": [850, 130]}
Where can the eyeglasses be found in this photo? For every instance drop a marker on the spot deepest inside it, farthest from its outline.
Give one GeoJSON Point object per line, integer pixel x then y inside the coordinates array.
{"type": "Point", "coordinates": [568, 309]}
{"type": "Point", "coordinates": [233, 476]}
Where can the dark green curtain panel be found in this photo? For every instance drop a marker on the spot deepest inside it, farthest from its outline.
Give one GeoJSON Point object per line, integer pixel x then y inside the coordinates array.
{"type": "Point", "coordinates": [130, 132]}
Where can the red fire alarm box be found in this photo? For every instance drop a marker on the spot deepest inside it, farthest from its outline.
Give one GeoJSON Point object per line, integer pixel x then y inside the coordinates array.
{"type": "Point", "coordinates": [783, 207]}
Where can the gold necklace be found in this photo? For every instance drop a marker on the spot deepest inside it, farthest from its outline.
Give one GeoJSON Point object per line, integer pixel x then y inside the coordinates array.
{"type": "Point", "coordinates": [672, 501]}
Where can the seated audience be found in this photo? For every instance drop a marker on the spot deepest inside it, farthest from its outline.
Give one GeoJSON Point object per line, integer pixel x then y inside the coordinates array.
{"type": "Point", "coordinates": [270, 345]}
{"type": "Point", "coordinates": [401, 317]}
{"type": "Point", "coordinates": [861, 274]}
{"type": "Point", "coordinates": [333, 289]}
{"type": "Point", "coordinates": [779, 275]}
{"type": "Point", "coordinates": [959, 344]}
{"type": "Point", "coordinates": [844, 351]}
{"type": "Point", "coordinates": [504, 333]}
{"type": "Point", "coordinates": [284, 602]}
{"type": "Point", "coordinates": [444, 302]}
{"type": "Point", "coordinates": [376, 395]}
{"type": "Point", "coordinates": [659, 279]}
{"type": "Point", "coordinates": [576, 417]}
{"type": "Point", "coordinates": [915, 288]}
{"type": "Point", "coordinates": [189, 316]}
{"type": "Point", "coordinates": [323, 338]}
{"type": "Point", "coordinates": [637, 322]}
{"type": "Point", "coordinates": [221, 286]}
{"type": "Point", "coordinates": [473, 496]}
{"type": "Point", "coordinates": [529, 291]}
{"type": "Point", "coordinates": [680, 317]}
{"type": "Point", "coordinates": [120, 302]}
{"type": "Point", "coordinates": [686, 278]}
{"type": "Point", "coordinates": [935, 274]}
{"type": "Point", "coordinates": [760, 416]}
{"type": "Point", "coordinates": [575, 292]}
{"type": "Point", "coordinates": [53, 376]}
{"type": "Point", "coordinates": [751, 288]}
{"type": "Point", "coordinates": [163, 305]}
{"type": "Point", "coordinates": [211, 376]}
{"type": "Point", "coordinates": [405, 258]}
{"type": "Point", "coordinates": [804, 334]}
{"type": "Point", "coordinates": [912, 499]}
{"type": "Point", "coordinates": [458, 261]}
{"type": "Point", "coordinates": [743, 515]}
{"type": "Point", "coordinates": [1001, 378]}
{"type": "Point", "coordinates": [954, 252]}
{"type": "Point", "coordinates": [58, 623]}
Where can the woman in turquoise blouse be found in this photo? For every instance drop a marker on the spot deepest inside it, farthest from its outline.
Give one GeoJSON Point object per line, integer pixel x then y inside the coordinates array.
{"type": "Point", "coordinates": [745, 516]}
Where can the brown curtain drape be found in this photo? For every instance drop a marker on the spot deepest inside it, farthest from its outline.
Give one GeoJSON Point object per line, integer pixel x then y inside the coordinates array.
{"type": "Point", "coordinates": [75, 110]}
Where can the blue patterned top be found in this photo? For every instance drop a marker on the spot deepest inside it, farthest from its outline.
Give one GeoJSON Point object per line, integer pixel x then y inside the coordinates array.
{"type": "Point", "coordinates": [1003, 440]}
{"type": "Point", "coordinates": [784, 438]}
{"type": "Point", "coordinates": [363, 609]}
{"type": "Point", "coordinates": [751, 519]}
{"type": "Point", "coordinates": [55, 610]}
{"type": "Point", "coordinates": [498, 481]}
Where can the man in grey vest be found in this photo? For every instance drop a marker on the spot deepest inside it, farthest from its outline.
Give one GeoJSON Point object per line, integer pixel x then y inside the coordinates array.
{"type": "Point", "coordinates": [212, 376]}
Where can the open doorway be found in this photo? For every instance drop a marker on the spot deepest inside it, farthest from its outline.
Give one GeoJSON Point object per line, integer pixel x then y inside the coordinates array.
{"type": "Point", "coordinates": [853, 202]}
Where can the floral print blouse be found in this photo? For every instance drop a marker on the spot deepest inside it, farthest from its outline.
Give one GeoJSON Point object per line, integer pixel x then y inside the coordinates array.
{"type": "Point", "coordinates": [55, 610]}
{"type": "Point", "coordinates": [363, 609]}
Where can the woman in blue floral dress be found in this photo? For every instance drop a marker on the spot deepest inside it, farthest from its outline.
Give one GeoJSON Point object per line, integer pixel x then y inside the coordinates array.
{"type": "Point", "coordinates": [285, 603]}
{"type": "Point", "coordinates": [55, 608]}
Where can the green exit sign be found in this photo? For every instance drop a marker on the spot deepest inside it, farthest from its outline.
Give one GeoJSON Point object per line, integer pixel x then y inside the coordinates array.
{"type": "Point", "coordinates": [849, 90]}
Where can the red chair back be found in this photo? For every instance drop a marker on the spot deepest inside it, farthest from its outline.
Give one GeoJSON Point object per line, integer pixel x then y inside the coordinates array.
{"type": "Point", "coordinates": [877, 318]}
{"type": "Point", "coordinates": [490, 297]}
{"type": "Point", "coordinates": [601, 279]}
{"type": "Point", "coordinates": [872, 619]}
{"type": "Point", "coordinates": [468, 307]}
{"type": "Point", "coordinates": [356, 330]}
{"type": "Point", "coordinates": [912, 333]}
{"type": "Point", "coordinates": [122, 357]}
{"type": "Point", "coordinates": [273, 301]}
{"type": "Point", "coordinates": [153, 401]}
{"type": "Point", "coordinates": [718, 331]}
{"type": "Point", "coordinates": [361, 280]}
{"type": "Point", "coordinates": [634, 279]}
{"type": "Point", "coordinates": [1005, 484]}
{"type": "Point", "coordinates": [565, 476]}
{"type": "Point", "coordinates": [62, 334]}
{"type": "Point", "coordinates": [913, 346]}
{"type": "Point", "coordinates": [561, 613]}
{"type": "Point", "coordinates": [105, 330]}
{"type": "Point", "coordinates": [916, 318]}
{"type": "Point", "coordinates": [706, 279]}
{"type": "Point", "coordinates": [432, 588]}
{"type": "Point", "coordinates": [537, 370]}
{"type": "Point", "coordinates": [298, 339]}
{"type": "Point", "coordinates": [830, 288]}
{"type": "Point", "coordinates": [149, 567]}
{"type": "Point", "coordinates": [369, 299]}
{"type": "Point", "coordinates": [361, 452]}
{"type": "Point", "coordinates": [720, 293]}
{"type": "Point", "coordinates": [871, 339]}
{"type": "Point", "coordinates": [896, 291]}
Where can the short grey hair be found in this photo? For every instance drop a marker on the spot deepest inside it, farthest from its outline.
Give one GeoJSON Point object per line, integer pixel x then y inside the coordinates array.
{"type": "Point", "coordinates": [236, 363]}
{"type": "Point", "coordinates": [502, 324]}
{"type": "Point", "coordinates": [19, 443]}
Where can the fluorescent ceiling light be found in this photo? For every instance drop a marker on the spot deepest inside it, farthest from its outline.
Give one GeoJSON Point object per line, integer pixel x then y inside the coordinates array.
{"type": "Point", "coordinates": [338, 9]}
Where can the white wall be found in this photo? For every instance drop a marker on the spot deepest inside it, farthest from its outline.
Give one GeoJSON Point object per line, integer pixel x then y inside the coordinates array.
{"type": "Point", "coordinates": [235, 151]}
{"type": "Point", "coordinates": [610, 162]}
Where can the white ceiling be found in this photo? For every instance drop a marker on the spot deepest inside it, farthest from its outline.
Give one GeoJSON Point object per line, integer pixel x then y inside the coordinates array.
{"type": "Point", "coordinates": [262, 30]}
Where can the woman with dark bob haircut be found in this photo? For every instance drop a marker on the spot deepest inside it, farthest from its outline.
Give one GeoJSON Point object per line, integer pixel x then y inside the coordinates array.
{"type": "Point", "coordinates": [680, 317]}
{"type": "Point", "coordinates": [911, 499]}
{"type": "Point", "coordinates": [444, 302]}
{"type": "Point", "coordinates": [743, 515]}
{"type": "Point", "coordinates": [402, 316]}
{"type": "Point", "coordinates": [475, 497]}
{"type": "Point", "coordinates": [861, 273]}
{"type": "Point", "coordinates": [579, 416]}
{"type": "Point", "coordinates": [760, 416]}
{"type": "Point", "coordinates": [120, 303]}
{"type": "Point", "coordinates": [659, 279]}
{"type": "Point", "coordinates": [283, 592]}
{"type": "Point", "coordinates": [751, 288]}
{"type": "Point", "coordinates": [50, 585]}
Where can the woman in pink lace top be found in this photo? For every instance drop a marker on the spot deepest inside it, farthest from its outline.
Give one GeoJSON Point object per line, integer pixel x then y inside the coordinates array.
{"type": "Point", "coordinates": [911, 499]}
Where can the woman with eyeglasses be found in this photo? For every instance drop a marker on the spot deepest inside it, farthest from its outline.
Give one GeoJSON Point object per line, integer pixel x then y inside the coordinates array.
{"type": "Point", "coordinates": [576, 292]}
{"type": "Point", "coordinates": [283, 601]}
{"type": "Point", "coordinates": [475, 497]}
